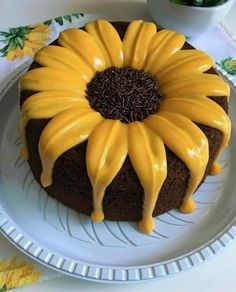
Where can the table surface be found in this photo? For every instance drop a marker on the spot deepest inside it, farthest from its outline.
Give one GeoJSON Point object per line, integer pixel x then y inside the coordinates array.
{"type": "Point", "coordinates": [217, 274]}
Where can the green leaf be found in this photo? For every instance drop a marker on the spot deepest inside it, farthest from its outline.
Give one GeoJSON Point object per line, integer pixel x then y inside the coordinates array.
{"type": "Point", "coordinates": [59, 20]}
{"type": "Point", "coordinates": [19, 42]}
{"type": "Point", "coordinates": [198, 2]}
{"type": "Point", "coordinates": [209, 3]}
{"type": "Point", "coordinates": [68, 18]}
{"type": "Point", "coordinates": [5, 34]}
{"type": "Point", "coordinates": [5, 41]}
{"type": "Point", "coordinates": [3, 289]}
{"type": "Point", "coordinates": [182, 2]}
{"type": "Point", "coordinates": [14, 30]}
{"type": "Point", "coordinates": [78, 15]}
{"type": "Point", "coordinates": [3, 50]}
{"type": "Point", "coordinates": [3, 54]}
{"type": "Point", "coordinates": [11, 45]}
{"type": "Point", "coordinates": [48, 22]}
{"type": "Point", "coordinates": [23, 31]}
{"type": "Point", "coordinates": [229, 65]}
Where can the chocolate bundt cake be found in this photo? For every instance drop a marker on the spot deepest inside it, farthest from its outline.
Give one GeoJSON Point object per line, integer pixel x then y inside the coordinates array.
{"type": "Point", "coordinates": [123, 120]}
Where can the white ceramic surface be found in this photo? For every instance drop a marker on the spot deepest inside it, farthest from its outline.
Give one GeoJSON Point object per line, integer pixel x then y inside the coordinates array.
{"type": "Point", "coordinates": [191, 21]}
{"type": "Point", "coordinates": [111, 251]}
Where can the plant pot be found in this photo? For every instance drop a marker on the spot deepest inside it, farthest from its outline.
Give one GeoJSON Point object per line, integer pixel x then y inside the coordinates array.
{"type": "Point", "coordinates": [188, 20]}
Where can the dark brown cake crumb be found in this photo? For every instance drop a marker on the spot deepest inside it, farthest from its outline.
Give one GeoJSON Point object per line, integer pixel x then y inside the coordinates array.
{"type": "Point", "coordinates": [124, 94]}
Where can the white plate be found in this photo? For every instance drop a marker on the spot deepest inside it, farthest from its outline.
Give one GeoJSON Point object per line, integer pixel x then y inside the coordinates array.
{"type": "Point", "coordinates": [71, 243]}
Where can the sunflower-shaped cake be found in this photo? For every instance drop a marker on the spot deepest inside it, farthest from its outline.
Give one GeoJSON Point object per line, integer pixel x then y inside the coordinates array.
{"type": "Point", "coordinates": [123, 120]}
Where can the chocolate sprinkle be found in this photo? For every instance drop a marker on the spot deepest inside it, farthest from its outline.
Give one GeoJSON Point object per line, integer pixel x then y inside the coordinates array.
{"type": "Point", "coordinates": [124, 94]}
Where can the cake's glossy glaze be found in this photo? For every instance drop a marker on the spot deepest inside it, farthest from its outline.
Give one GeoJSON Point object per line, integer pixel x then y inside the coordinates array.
{"type": "Point", "coordinates": [182, 80]}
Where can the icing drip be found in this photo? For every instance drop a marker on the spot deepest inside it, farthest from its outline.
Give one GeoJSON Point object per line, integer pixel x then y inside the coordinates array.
{"type": "Point", "coordinates": [62, 83]}
{"type": "Point", "coordinates": [45, 105]}
{"type": "Point", "coordinates": [215, 169]}
{"type": "Point", "coordinates": [212, 114]}
{"type": "Point", "coordinates": [64, 131]}
{"type": "Point", "coordinates": [193, 149]}
{"type": "Point", "coordinates": [148, 158]}
{"type": "Point", "coordinates": [105, 156]}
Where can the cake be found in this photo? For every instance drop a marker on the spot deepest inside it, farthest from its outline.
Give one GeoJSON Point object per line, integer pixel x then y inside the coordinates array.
{"type": "Point", "coordinates": [123, 120]}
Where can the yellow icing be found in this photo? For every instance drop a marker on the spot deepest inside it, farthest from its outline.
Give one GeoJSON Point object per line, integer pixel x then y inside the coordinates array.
{"type": "Point", "coordinates": [45, 105]}
{"type": "Point", "coordinates": [202, 110]}
{"type": "Point", "coordinates": [215, 169]}
{"type": "Point", "coordinates": [66, 130]}
{"type": "Point", "coordinates": [106, 152]}
{"type": "Point", "coordinates": [188, 206]}
{"type": "Point", "coordinates": [147, 154]}
{"type": "Point", "coordinates": [136, 42]}
{"type": "Point", "coordinates": [61, 85]}
{"type": "Point", "coordinates": [196, 84]}
{"type": "Point", "coordinates": [64, 59]}
{"type": "Point", "coordinates": [183, 63]}
{"type": "Point", "coordinates": [187, 141]}
{"type": "Point", "coordinates": [46, 78]}
{"type": "Point", "coordinates": [83, 44]}
{"type": "Point", "coordinates": [163, 45]}
{"type": "Point", "coordinates": [108, 40]}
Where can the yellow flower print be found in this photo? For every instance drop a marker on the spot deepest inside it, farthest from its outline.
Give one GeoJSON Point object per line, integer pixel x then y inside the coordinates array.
{"type": "Point", "coordinates": [14, 274]}
{"type": "Point", "coordinates": [24, 41]}
{"type": "Point", "coordinates": [17, 53]}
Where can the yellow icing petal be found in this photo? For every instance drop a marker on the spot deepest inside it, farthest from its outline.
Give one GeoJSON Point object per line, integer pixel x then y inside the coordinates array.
{"type": "Point", "coordinates": [108, 40]}
{"type": "Point", "coordinates": [64, 131]}
{"type": "Point", "coordinates": [204, 111]}
{"type": "Point", "coordinates": [187, 142]}
{"type": "Point", "coordinates": [164, 44]}
{"type": "Point", "coordinates": [63, 58]}
{"type": "Point", "coordinates": [136, 42]}
{"type": "Point", "coordinates": [45, 78]}
{"type": "Point", "coordinates": [147, 154]}
{"type": "Point", "coordinates": [183, 63]}
{"type": "Point", "coordinates": [105, 155]}
{"type": "Point", "coordinates": [83, 44]}
{"type": "Point", "coordinates": [45, 105]}
{"type": "Point", "coordinates": [196, 84]}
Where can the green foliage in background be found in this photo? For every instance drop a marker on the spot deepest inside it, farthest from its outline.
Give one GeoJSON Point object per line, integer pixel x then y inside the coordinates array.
{"type": "Point", "coordinates": [199, 3]}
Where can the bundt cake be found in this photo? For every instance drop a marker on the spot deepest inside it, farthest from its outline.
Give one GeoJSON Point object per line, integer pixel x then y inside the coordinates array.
{"type": "Point", "coordinates": [123, 120]}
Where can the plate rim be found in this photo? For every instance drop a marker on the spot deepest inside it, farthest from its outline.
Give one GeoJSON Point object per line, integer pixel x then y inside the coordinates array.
{"type": "Point", "coordinates": [117, 274]}
{"type": "Point", "coordinates": [105, 273]}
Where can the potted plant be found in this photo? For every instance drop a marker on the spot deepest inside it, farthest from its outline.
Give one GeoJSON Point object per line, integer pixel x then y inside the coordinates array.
{"type": "Point", "coordinates": [190, 17]}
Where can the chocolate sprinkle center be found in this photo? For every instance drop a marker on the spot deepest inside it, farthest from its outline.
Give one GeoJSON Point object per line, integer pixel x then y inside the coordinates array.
{"type": "Point", "coordinates": [124, 94]}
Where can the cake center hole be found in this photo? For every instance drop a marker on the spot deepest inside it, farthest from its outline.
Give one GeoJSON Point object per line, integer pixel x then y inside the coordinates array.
{"type": "Point", "coordinates": [124, 94]}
